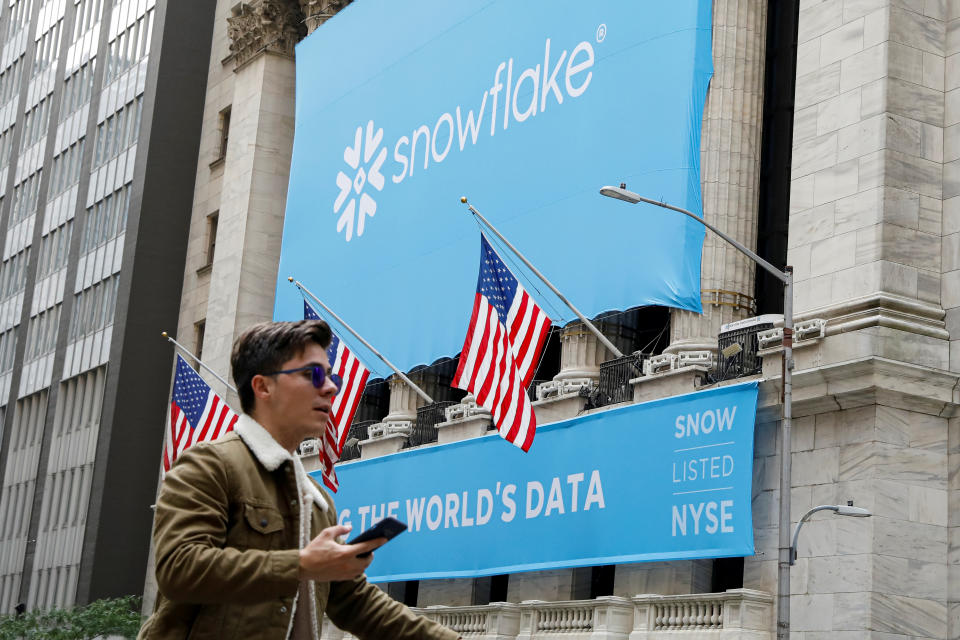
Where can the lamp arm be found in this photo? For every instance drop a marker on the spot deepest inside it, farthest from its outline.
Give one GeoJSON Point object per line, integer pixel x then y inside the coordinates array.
{"type": "Point", "coordinates": [747, 252]}
{"type": "Point", "coordinates": [796, 532]}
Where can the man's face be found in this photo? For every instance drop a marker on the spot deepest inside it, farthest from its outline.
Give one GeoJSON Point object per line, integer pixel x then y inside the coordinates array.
{"type": "Point", "coordinates": [300, 409]}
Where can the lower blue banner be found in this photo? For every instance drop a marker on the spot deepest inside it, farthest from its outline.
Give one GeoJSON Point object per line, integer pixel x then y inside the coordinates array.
{"type": "Point", "coordinates": [663, 480]}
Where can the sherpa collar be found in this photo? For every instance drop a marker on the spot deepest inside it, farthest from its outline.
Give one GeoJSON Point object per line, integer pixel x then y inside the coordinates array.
{"type": "Point", "coordinates": [271, 455]}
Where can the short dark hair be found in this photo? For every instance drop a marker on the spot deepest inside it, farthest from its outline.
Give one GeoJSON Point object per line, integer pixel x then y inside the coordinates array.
{"type": "Point", "coordinates": [264, 347]}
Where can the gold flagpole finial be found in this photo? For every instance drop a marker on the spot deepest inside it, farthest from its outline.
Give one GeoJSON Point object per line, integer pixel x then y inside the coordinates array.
{"type": "Point", "coordinates": [289, 278]}
{"type": "Point", "coordinates": [463, 199]}
{"type": "Point", "coordinates": [164, 334]}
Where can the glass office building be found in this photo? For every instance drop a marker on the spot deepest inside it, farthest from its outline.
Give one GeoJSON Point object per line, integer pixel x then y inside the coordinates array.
{"type": "Point", "coordinates": [93, 216]}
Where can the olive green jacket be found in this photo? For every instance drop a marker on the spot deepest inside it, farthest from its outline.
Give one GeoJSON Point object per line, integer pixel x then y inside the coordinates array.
{"type": "Point", "coordinates": [227, 538]}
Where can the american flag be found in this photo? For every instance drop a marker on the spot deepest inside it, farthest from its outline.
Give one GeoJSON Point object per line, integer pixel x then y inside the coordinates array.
{"type": "Point", "coordinates": [196, 414]}
{"type": "Point", "coordinates": [502, 348]}
{"type": "Point", "coordinates": [354, 376]}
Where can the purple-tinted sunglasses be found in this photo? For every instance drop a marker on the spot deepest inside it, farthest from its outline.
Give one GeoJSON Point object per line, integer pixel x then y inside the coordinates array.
{"type": "Point", "coordinates": [317, 375]}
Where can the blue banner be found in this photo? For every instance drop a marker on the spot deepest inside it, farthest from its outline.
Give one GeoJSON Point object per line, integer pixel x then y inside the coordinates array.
{"type": "Point", "coordinates": [663, 480]}
{"type": "Point", "coordinates": [527, 108]}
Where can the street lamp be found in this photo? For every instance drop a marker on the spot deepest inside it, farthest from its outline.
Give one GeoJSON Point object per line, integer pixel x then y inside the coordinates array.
{"type": "Point", "coordinates": [785, 276]}
{"type": "Point", "coordinates": [840, 509]}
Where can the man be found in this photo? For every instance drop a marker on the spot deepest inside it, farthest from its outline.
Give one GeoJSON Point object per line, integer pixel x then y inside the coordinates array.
{"type": "Point", "coordinates": [246, 543]}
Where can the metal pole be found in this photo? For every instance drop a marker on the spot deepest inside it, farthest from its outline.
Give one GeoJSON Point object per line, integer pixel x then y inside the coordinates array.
{"type": "Point", "coordinates": [785, 276]}
{"type": "Point", "coordinates": [602, 338]}
{"type": "Point", "coordinates": [420, 392]}
{"type": "Point", "coordinates": [199, 361]}
{"type": "Point", "coordinates": [786, 463]}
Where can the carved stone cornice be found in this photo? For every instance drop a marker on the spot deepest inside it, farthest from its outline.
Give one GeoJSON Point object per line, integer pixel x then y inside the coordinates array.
{"type": "Point", "coordinates": [261, 26]}
{"type": "Point", "coordinates": [882, 309]}
{"type": "Point", "coordinates": [317, 12]}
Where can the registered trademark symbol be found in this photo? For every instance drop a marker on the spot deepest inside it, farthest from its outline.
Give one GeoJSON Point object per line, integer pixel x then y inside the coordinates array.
{"type": "Point", "coordinates": [601, 32]}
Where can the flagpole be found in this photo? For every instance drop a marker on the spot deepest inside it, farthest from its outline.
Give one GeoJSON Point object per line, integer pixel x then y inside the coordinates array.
{"type": "Point", "coordinates": [420, 392]}
{"type": "Point", "coordinates": [602, 338]}
{"type": "Point", "coordinates": [199, 361]}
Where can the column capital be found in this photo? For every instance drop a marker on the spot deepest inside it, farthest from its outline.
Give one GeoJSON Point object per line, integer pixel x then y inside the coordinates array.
{"type": "Point", "coordinates": [261, 26]}
{"type": "Point", "coordinates": [316, 12]}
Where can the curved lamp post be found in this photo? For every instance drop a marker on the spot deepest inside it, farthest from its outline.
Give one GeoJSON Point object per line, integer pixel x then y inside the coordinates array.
{"type": "Point", "coordinates": [840, 509]}
{"type": "Point", "coordinates": [786, 277]}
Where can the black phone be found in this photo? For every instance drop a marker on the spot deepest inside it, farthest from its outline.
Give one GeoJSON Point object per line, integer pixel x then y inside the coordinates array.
{"type": "Point", "coordinates": [388, 528]}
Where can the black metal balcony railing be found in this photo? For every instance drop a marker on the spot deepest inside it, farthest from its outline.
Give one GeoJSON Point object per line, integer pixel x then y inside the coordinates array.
{"type": "Point", "coordinates": [615, 375]}
{"type": "Point", "coordinates": [746, 361]}
{"type": "Point", "coordinates": [532, 389]}
{"type": "Point", "coordinates": [428, 417]}
{"type": "Point", "coordinates": [356, 434]}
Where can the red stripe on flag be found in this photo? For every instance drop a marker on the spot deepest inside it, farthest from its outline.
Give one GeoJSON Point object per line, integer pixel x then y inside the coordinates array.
{"type": "Point", "coordinates": [345, 431]}
{"type": "Point", "coordinates": [467, 343]}
{"type": "Point", "coordinates": [538, 347]}
{"type": "Point", "coordinates": [481, 357]}
{"type": "Point", "coordinates": [518, 321]}
{"type": "Point", "coordinates": [211, 415]}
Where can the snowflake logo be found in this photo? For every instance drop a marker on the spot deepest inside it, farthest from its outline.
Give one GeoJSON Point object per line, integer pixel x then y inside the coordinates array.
{"type": "Point", "coordinates": [352, 190]}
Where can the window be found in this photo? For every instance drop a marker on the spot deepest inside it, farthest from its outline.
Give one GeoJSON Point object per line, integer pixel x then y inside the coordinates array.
{"type": "Point", "coordinates": [6, 143]}
{"type": "Point", "coordinates": [10, 80]}
{"type": "Point", "coordinates": [118, 132]}
{"type": "Point", "coordinates": [25, 197]}
{"type": "Point", "coordinates": [590, 583]}
{"type": "Point", "coordinates": [106, 219]}
{"type": "Point", "coordinates": [46, 49]}
{"type": "Point", "coordinates": [8, 348]}
{"type": "Point", "coordinates": [18, 17]}
{"type": "Point", "coordinates": [199, 330]}
{"type": "Point", "coordinates": [93, 308]}
{"type": "Point", "coordinates": [66, 169]}
{"type": "Point", "coordinates": [13, 274]}
{"type": "Point", "coordinates": [35, 123]}
{"type": "Point", "coordinates": [88, 14]}
{"type": "Point", "coordinates": [54, 248]}
{"type": "Point", "coordinates": [405, 592]}
{"type": "Point", "coordinates": [224, 132]}
{"type": "Point", "coordinates": [42, 333]}
{"type": "Point", "coordinates": [490, 589]}
{"type": "Point", "coordinates": [77, 89]}
{"type": "Point", "coordinates": [212, 221]}
{"type": "Point", "coordinates": [128, 48]}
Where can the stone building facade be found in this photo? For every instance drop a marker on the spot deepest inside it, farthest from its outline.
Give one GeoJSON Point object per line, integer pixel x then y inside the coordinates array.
{"type": "Point", "coordinates": [874, 240]}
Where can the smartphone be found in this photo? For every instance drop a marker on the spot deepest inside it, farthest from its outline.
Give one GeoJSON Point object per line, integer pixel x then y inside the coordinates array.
{"type": "Point", "coordinates": [387, 528]}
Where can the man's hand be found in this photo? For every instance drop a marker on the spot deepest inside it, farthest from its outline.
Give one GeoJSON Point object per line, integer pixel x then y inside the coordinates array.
{"type": "Point", "coordinates": [326, 560]}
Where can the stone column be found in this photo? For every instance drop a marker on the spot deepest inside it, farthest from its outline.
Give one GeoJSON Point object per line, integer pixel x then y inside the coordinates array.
{"type": "Point", "coordinates": [580, 354]}
{"type": "Point", "coordinates": [390, 435]}
{"type": "Point", "coordinates": [256, 170]}
{"type": "Point", "coordinates": [870, 184]}
{"type": "Point", "coordinates": [730, 172]}
{"type": "Point", "coordinates": [404, 402]}
{"type": "Point", "coordinates": [873, 185]}
{"type": "Point", "coordinates": [950, 298]}
{"type": "Point", "coordinates": [580, 357]}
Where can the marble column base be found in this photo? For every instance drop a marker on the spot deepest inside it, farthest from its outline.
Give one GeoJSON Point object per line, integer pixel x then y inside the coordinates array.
{"type": "Point", "coordinates": [559, 408]}
{"type": "Point", "coordinates": [669, 383]}
{"type": "Point", "coordinates": [382, 446]}
{"type": "Point", "coordinates": [464, 429]}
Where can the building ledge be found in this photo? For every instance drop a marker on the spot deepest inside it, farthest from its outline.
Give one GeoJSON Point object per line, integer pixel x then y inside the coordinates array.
{"type": "Point", "coordinates": [859, 383]}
